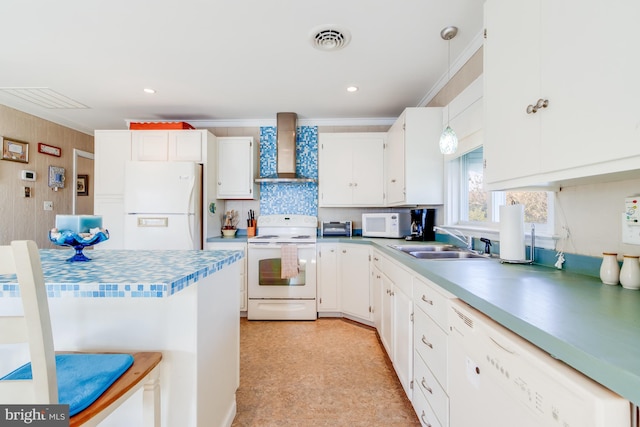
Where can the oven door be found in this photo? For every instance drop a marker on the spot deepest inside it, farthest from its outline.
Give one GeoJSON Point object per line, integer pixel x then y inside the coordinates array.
{"type": "Point", "coordinates": [264, 273]}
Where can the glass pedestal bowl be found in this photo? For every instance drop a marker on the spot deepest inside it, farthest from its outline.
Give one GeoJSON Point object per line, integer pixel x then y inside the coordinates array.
{"type": "Point", "coordinates": [78, 242]}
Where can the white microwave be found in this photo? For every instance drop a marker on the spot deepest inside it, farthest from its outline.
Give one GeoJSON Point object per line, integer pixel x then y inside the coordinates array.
{"type": "Point", "coordinates": [391, 224]}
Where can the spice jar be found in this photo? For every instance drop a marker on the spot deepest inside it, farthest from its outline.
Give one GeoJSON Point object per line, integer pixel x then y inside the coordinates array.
{"type": "Point", "coordinates": [630, 272]}
{"type": "Point", "coordinates": [609, 269]}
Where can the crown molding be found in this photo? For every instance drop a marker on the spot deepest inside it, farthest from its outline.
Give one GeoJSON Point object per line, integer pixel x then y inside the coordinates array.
{"type": "Point", "coordinates": [456, 65]}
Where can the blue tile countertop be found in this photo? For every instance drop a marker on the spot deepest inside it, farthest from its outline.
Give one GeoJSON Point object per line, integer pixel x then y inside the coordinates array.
{"type": "Point", "coordinates": [124, 273]}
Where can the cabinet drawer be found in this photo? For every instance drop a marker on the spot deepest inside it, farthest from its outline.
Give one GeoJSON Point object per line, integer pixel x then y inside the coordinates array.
{"type": "Point", "coordinates": [398, 275]}
{"type": "Point", "coordinates": [425, 414]}
{"type": "Point", "coordinates": [431, 343]}
{"type": "Point", "coordinates": [430, 301]}
{"type": "Point", "coordinates": [432, 390]}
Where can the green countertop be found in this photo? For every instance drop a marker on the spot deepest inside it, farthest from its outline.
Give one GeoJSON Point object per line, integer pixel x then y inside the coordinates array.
{"type": "Point", "coordinates": [593, 327]}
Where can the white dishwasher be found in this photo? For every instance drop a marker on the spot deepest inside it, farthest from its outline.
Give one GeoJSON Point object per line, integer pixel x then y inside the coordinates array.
{"type": "Point", "coordinates": [498, 379]}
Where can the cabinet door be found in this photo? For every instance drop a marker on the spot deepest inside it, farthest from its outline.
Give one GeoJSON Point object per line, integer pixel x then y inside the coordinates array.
{"type": "Point", "coordinates": [386, 324]}
{"type": "Point", "coordinates": [354, 280]}
{"type": "Point", "coordinates": [335, 161]}
{"type": "Point", "coordinates": [376, 297]}
{"type": "Point", "coordinates": [112, 149]}
{"type": "Point", "coordinates": [150, 145]}
{"type": "Point", "coordinates": [590, 78]}
{"type": "Point", "coordinates": [327, 277]}
{"type": "Point", "coordinates": [235, 168]}
{"type": "Point", "coordinates": [394, 163]}
{"type": "Point", "coordinates": [368, 171]}
{"type": "Point", "coordinates": [185, 146]}
{"type": "Point", "coordinates": [403, 338]}
{"type": "Point", "coordinates": [512, 81]}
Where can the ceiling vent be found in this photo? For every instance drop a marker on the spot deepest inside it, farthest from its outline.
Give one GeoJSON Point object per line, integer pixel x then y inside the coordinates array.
{"type": "Point", "coordinates": [44, 97]}
{"type": "Point", "coordinates": [330, 38]}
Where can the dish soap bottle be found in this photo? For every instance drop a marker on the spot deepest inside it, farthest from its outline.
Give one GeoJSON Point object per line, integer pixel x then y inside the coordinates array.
{"type": "Point", "coordinates": [609, 269]}
{"type": "Point", "coordinates": [630, 272]}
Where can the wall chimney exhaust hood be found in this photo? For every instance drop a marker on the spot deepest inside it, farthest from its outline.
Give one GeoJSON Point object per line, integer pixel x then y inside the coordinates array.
{"type": "Point", "coordinates": [286, 152]}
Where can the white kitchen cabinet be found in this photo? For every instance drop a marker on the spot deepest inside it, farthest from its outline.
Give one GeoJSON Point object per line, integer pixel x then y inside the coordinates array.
{"type": "Point", "coordinates": [163, 145]}
{"type": "Point", "coordinates": [547, 50]}
{"type": "Point", "coordinates": [376, 297]}
{"type": "Point", "coordinates": [236, 170]}
{"type": "Point", "coordinates": [240, 246]}
{"type": "Point", "coordinates": [403, 338]}
{"type": "Point", "coordinates": [112, 149]}
{"type": "Point", "coordinates": [354, 269]}
{"type": "Point", "coordinates": [328, 295]}
{"type": "Point", "coordinates": [413, 162]}
{"type": "Point", "coordinates": [431, 349]}
{"type": "Point", "coordinates": [386, 323]}
{"type": "Point", "coordinates": [351, 169]}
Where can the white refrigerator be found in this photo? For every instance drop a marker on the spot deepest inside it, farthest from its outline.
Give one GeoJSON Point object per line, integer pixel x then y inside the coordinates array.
{"type": "Point", "coordinates": [163, 205]}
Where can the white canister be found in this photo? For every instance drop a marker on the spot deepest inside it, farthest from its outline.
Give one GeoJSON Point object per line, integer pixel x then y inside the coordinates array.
{"type": "Point", "coordinates": [609, 269]}
{"type": "Point", "coordinates": [630, 272]}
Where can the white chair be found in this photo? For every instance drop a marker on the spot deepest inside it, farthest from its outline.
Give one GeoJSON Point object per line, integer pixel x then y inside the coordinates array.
{"type": "Point", "coordinates": [34, 328]}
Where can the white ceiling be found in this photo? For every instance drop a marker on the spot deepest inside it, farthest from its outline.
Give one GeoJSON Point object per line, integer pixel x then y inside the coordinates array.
{"type": "Point", "coordinates": [224, 63]}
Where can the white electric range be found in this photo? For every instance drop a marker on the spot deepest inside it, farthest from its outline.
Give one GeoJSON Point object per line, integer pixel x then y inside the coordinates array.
{"type": "Point", "coordinates": [272, 296]}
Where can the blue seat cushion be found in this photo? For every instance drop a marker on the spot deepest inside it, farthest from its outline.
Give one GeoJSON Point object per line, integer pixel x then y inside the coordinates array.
{"type": "Point", "coordinates": [82, 378]}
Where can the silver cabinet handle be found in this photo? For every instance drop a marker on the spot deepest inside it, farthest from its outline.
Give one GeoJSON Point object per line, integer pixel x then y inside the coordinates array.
{"type": "Point", "coordinates": [425, 386]}
{"type": "Point", "coordinates": [428, 301]}
{"type": "Point", "coordinates": [542, 103]}
{"type": "Point", "coordinates": [427, 343]}
{"type": "Point", "coordinates": [393, 180]}
{"type": "Point", "coordinates": [423, 420]}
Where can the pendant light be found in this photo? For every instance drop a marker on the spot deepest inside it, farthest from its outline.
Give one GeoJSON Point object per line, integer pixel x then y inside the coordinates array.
{"type": "Point", "coordinates": [448, 139]}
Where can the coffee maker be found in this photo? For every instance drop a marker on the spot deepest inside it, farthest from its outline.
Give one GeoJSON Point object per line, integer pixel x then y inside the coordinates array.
{"type": "Point", "coordinates": [422, 222]}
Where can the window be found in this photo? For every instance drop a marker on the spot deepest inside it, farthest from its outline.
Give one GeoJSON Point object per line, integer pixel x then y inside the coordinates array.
{"type": "Point", "coordinates": [480, 208]}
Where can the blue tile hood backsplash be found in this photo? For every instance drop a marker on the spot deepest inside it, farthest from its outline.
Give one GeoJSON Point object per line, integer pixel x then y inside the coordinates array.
{"type": "Point", "coordinates": [291, 198]}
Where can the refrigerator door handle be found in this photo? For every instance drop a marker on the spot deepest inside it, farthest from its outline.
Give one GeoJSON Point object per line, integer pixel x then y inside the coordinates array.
{"type": "Point", "coordinates": [153, 222]}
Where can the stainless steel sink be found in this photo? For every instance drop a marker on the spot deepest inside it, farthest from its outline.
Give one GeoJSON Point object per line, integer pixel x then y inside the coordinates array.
{"type": "Point", "coordinates": [445, 255]}
{"type": "Point", "coordinates": [437, 252]}
{"type": "Point", "coordinates": [423, 248]}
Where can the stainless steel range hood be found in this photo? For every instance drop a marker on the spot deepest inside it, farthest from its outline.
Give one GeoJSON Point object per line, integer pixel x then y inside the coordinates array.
{"type": "Point", "coordinates": [286, 152]}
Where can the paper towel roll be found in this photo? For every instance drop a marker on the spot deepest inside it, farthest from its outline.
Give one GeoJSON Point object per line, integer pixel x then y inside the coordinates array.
{"type": "Point", "coordinates": [512, 244]}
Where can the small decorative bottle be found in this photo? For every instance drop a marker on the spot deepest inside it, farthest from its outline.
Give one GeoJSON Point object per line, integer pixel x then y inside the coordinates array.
{"type": "Point", "coordinates": [630, 272]}
{"type": "Point", "coordinates": [609, 269]}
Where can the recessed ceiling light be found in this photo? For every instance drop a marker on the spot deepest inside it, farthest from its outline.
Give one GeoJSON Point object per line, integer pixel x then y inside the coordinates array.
{"type": "Point", "coordinates": [352, 89]}
{"type": "Point", "coordinates": [149, 90]}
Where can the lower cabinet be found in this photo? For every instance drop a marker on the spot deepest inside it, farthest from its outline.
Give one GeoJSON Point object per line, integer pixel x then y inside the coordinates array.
{"type": "Point", "coordinates": [430, 397]}
{"type": "Point", "coordinates": [353, 280]}
{"type": "Point", "coordinates": [396, 312]}
{"type": "Point", "coordinates": [242, 246]}
{"type": "Point", "coordinates": [327, 279]}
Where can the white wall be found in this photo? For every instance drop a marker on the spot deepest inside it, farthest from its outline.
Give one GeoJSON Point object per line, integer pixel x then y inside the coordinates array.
{"type": "Point", "coordinates": [592, 214]}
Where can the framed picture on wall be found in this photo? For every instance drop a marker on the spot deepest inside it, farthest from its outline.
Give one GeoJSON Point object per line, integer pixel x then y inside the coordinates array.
{"type": "Point", "coordinates": [82, 185]}
{"type": "Point", "coordinates": [15, 151]}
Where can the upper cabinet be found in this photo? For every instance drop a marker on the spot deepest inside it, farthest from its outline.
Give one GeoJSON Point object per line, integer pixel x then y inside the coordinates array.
{"type": "Point", "coordinates": [560, 91]}
{"type": "Point", "coordinates": [350, 169]}
{"type": "Point", "coordinates": [413, 162]}
{"type": "Point", "coordinates": [162, 145]}
{"type": "Point", "coordinates": [112, 149]}
{"type": "Point", "coordinates": [236, 168]}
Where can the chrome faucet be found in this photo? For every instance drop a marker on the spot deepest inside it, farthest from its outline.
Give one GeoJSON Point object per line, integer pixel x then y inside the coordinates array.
{"type": "Point", "coordinates": [460, 236]}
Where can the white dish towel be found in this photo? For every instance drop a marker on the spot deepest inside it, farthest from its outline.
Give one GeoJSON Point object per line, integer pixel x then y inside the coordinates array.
{"type": "Point", "coordinates": [289, 261]}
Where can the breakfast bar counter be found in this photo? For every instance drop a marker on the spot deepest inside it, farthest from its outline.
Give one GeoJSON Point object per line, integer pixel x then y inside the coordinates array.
{"type": "Point", "coordinates": [182, 303]}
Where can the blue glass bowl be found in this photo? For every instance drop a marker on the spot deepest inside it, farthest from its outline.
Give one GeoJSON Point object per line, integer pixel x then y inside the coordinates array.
{"type": "Point", "coordinates": [70, 238]}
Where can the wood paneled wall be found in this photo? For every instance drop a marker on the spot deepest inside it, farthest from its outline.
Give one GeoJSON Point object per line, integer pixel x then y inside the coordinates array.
{"type": "Point", "coordinates": [25, 218]}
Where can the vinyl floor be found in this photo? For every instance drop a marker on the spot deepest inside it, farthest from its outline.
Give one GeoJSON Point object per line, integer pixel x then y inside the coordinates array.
{"type": "Point", "coordinates": [328, 372]}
